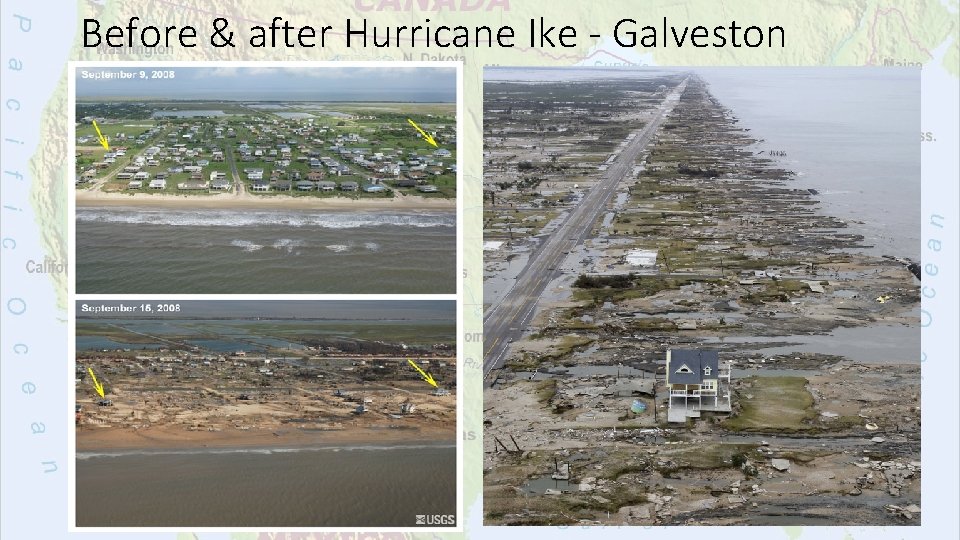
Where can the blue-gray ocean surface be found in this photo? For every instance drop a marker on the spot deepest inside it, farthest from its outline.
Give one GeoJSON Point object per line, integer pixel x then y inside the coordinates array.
{"type": "Point", "coordinates": [850, 133]}
{"type": "Point", "coordinates": [228, 251]}
{"type": "Point", "coordinates": [346, 486]}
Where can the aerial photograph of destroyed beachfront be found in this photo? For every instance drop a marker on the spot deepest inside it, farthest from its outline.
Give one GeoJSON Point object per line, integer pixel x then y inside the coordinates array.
{"type": "Point", "coordinates": [701, 296]}
{"type": "Point", "coordinates": [265, 180]}
{"type": "Point", "coordinates": [265, 413]}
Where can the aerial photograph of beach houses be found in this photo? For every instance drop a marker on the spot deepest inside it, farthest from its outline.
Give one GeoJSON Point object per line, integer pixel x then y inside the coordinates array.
{"type": "Point", "coordinates": [265, 413]}
{"type": "Point", "coordinates": [265, 179]}
{"type": "Point", "coordinates": [702, 297]}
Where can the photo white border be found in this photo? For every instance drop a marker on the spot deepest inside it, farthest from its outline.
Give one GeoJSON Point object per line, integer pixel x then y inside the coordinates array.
{"type": "Point", "coordinates": [73, 297]}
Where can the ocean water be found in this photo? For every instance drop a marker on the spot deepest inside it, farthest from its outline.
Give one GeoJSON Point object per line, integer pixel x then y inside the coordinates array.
{"type": "Point", "coordinates": [163, 251]}
{"type": "Point", "coordinates": [349, 486]}
{"type": "Point", "coordinates": [850, 133]}
{"type": "Point", "coordinates": [873, 344]}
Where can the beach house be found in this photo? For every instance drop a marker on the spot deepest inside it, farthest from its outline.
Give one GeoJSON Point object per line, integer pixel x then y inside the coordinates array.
{"type": "Point", "coordinates": [416, 176]}
{"type": "Point", "coordinates": [696, 381]}
{"type": "Point", "coordinates": [220, 183]}
{"type": "Point", "coordinates": [193, 185]}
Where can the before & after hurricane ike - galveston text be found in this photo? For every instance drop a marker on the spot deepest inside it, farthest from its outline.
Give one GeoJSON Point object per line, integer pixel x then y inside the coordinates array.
{"type": "Point", "coordinates": [626, 32]}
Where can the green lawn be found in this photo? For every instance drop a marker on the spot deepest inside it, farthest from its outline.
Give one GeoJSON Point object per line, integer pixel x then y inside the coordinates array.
{"type": "Point", "coordinates": [111, 129]}
{"type": "Point", "coordinates": [773, 404]}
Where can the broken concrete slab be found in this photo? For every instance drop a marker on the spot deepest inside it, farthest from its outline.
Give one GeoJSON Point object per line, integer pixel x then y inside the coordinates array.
{"type": "Point", "coordinates": [636, 512]}
{"type": "Point", "coordinates": [780, 464]}
{"type": "Point", "coordinates": [588, 483]}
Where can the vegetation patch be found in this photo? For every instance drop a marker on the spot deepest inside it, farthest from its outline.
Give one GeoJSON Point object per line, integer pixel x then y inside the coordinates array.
{"type": "Point", "coordinates": [773, 404]}
{"type": "Point", "coordinates": [781, 290]}
{"type": "Point", "coordinates": [567, 344]}
{"type": "Point", "coordinates": [546, 390]}
{"type": "Point", "coordinates": [599, 289]}
{"type": "Point", "coordinates": [704, 457]}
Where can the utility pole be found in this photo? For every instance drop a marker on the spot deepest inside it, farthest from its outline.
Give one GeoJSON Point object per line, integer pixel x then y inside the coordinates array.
{"type": "Point", "coordinates": [655, 407]}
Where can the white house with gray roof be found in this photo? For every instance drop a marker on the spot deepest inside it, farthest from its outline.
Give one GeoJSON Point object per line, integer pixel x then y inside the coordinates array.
{"type": "Point", "coordinates": [696, 381]}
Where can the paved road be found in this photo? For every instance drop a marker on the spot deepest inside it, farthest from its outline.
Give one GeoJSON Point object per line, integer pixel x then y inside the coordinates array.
{"type": "Point", "coordinates": [507, 320]}
{"type": "Point", "coordinates": [128, 159]}
{"type": "Point", "coordinates": [238, 186]}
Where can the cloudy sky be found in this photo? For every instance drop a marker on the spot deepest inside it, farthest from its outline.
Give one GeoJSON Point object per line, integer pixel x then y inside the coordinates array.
{"type": "Point", "coordinates": [265, 83]}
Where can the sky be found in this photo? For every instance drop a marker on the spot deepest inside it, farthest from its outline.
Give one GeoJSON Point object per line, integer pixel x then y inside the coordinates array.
{"type": "Point", "coordinates": [325, 309]}
{"type": "Point", "coordinates": [546, 74]}
{"type": "Point", "coordinates": [420, 84]}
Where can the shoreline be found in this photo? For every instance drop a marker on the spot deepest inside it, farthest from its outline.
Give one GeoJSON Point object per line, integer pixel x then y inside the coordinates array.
{"type": "Point", "coordinates": [92, 199]}
{"type": "Point", "coordinates": [165, 439]}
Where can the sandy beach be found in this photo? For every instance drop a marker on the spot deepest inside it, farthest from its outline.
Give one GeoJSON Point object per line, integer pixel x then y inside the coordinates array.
{"type": "Point", "coordinates": [230, 200]}
{"type": "Point", "coordinates": [215, 409]}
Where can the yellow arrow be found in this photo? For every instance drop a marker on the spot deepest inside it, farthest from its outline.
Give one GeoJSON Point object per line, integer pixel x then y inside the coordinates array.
{"type": "Point", "coordinates": [426, 137]}
{"type": "Point", "coordinates": [100, 137]}
{"type": "Point", "coordinates": [426, 376]}
{"type": "Point", "coordinates": [96, 384]}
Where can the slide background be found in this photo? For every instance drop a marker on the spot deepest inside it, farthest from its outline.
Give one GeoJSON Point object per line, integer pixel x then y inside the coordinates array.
{"type": "Point", "coordinates": [33, 225]}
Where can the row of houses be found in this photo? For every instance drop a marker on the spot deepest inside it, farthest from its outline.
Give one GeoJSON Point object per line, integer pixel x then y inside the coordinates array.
{"type": "Point", "coordinates": [219, 182]}
{"type": "Point", "coordinates": [391, 162]}
{"type": "Point", "coordinates": [187, 150]}
{"type": "Point", "coordinates": [263, 186]}
{"type": "Point", "coordinates": [156, 183]}
{"type": "Point", "coordinates": [303, 185]}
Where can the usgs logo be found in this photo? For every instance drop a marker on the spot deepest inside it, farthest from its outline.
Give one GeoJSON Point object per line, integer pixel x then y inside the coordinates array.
{"type": "Point", "coordinates": [431, 5]}
{"type": "Point", "coordinates": [436, 519]}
